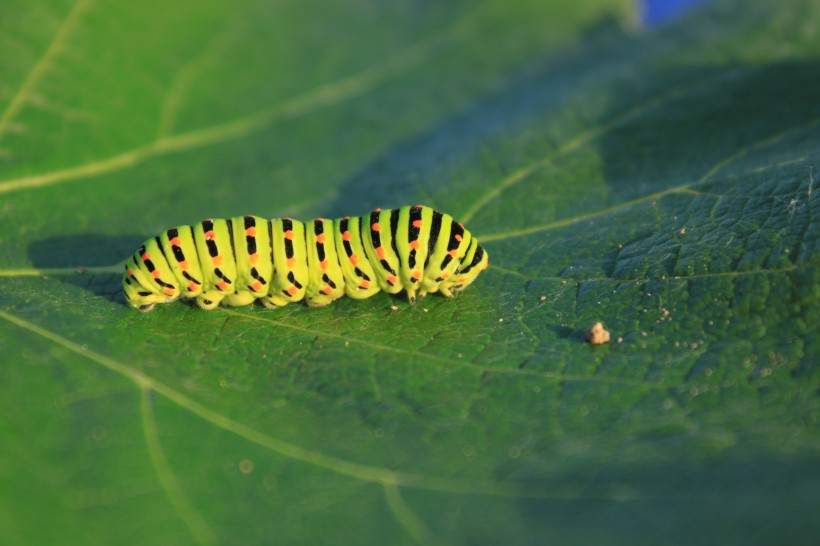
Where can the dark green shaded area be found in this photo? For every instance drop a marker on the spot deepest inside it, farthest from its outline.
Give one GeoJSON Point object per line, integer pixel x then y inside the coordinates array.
{"type": "Point", "coordinates": [660, 181]}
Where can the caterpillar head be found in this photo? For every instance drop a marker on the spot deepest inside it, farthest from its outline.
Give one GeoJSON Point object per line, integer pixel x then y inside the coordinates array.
{"type": "Point", "coordinates": [471, 266]}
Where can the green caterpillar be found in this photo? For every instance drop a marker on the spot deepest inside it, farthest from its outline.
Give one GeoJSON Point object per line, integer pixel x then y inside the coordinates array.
{"type": "Point", "coordinates": [279, 261]}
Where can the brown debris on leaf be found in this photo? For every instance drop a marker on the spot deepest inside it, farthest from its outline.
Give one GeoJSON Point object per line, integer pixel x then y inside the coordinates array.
{"type": "Point", "coordinates": [597, 334]}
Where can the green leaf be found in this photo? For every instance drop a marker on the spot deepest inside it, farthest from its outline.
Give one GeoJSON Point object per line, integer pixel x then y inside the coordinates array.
{"type": "Point", "coordinates": [661, 181]}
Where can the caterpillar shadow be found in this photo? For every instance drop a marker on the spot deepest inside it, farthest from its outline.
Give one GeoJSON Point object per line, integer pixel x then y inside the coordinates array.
{"type": "Point", "coordinates": [84, 252]}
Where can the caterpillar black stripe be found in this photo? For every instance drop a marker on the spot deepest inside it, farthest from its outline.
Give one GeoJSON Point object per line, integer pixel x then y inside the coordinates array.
{"type": "Point", "coordinates": [238, 260]}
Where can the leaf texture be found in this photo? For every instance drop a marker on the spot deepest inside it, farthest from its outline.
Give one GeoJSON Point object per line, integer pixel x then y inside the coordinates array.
{"type": "Point", "coordinates": [661, 181]}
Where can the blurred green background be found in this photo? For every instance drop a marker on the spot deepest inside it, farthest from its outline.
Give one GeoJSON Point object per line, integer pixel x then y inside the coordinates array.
{"type": "Point", "coordinates": [659, 179]}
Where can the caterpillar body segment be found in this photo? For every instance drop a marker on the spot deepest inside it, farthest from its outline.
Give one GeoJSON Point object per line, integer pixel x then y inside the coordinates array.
{"type": "Point", "coordinates": [290, 267]}
{"type": "Point", "coordinates": [279, 261]}
{"type": "Point", "coordinates": [360, 278]}
{"type": "Point", "coordinates": [213, 243]}
{"type": "Point", "coordinates": [412, 245]}
{"type": "Point", "coordinates": [379, 246]}
{"type": "Point", "coordinates": [252, 252]}
{"type": "Point", "coordinates": [184, 265]}
{"type": "Point", "coordinates": [446, 250]}
{"type": "Point", "coordinates": [327, 281]}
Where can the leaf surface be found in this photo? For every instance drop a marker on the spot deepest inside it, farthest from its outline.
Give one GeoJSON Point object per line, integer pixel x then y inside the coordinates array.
{"type": "Point", "coordinates": [660, 181]}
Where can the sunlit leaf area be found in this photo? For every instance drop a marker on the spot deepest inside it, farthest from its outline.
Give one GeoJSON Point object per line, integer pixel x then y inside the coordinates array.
{"type": "Point", "coordinates": [659, 178]}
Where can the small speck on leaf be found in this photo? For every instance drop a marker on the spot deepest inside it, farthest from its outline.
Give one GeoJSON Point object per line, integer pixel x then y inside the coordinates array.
{"type": "Point", "coordinates": [597, 334]}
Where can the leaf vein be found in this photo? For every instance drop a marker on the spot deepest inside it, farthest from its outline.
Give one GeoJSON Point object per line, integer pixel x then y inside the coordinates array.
{"type": "Point", "coordinates": [405, 515]}
{"type": "Point", "coordinates": [173, 490]}
{"type": "Point", "coordinates": [589, 136]}
{"type": "Point", "coordinates": [688, 187]}
{"type": "Point", "coordinates": [362, 472]}
{"type": "Point", "coordinates": [53, 50]}
{"type": "Point", "coordinates": [323, 96]}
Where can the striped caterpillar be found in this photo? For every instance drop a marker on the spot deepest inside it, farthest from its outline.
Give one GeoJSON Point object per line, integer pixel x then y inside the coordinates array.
{"type": "Point", "coordinates": [279, 261]}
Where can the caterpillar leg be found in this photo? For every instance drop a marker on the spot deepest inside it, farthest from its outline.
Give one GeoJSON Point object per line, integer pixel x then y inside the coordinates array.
{"type": "Point", "coordinates": [209, 300]}
{"type": "Point", "coordinates": [412, 290]}
{"type": "Point", "coordinates": [315, 302]}
{"type": "Point", "coordinates": [240, 298]}
{"type": "Point", "coordinates": [273, 301]}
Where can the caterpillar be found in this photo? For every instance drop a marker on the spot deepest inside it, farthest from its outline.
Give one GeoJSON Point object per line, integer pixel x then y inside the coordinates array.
{"type": "Point", "coordinates": [279, 261]}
